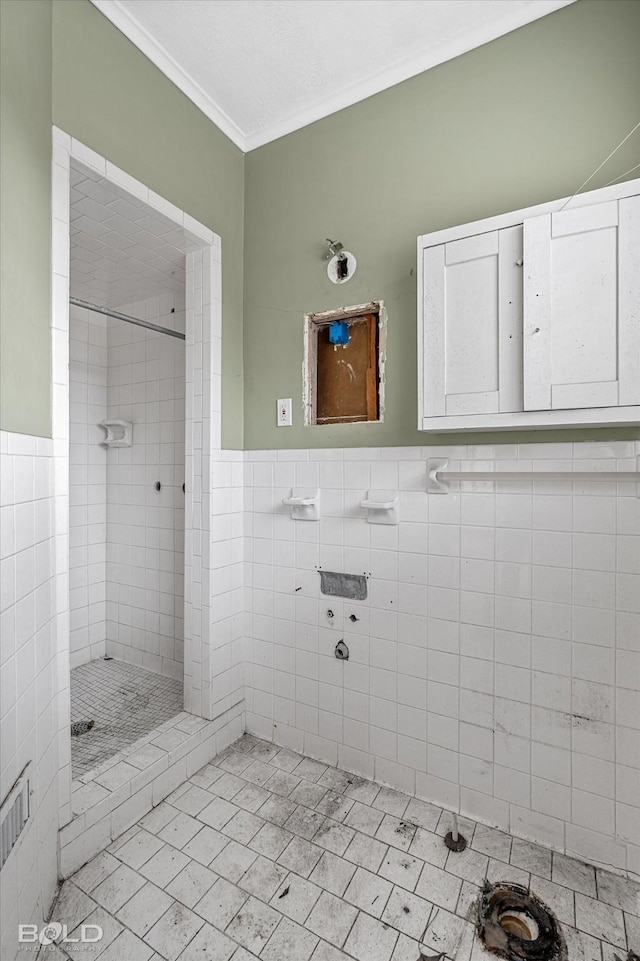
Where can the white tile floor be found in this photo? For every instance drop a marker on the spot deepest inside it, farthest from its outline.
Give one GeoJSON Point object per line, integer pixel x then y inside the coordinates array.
{"type": "Point", "coordinates": [264, 853]}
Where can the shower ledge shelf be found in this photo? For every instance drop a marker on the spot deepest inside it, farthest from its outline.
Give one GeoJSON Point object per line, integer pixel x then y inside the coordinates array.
{"type": "Point", "coordinates": [119, 433]}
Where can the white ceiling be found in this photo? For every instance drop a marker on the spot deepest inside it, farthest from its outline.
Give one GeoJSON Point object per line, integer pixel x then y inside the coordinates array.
{"type": "Point", "coordinates": [122, 250]}
{"type": "Point", "coordinates": [262, 68]}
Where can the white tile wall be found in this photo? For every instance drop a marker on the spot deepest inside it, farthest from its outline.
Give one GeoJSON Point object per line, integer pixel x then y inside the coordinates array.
{"type": "Point", "coordinates": [226, 581]}
{"type": "Point", "coordinates": [87, 485]}
{"type": "Point", "coordinates": [214, 601]}
{"type": "Point", "coordinates": [145, 527]}
{"type": "Point", "coordinates": [28, 674]}
{"type": "Point", "coordinates": [494, 666]}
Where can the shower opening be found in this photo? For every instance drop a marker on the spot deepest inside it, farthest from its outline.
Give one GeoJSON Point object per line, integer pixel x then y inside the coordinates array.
{"type": "Point", "coordinates": [126, 468]}
{"type": "Point", "coordinates": [137, 435]}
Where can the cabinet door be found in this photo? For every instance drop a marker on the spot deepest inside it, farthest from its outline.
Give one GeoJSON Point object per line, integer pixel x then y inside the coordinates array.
{"type": "Point", "coordinates": [472, 325]}
{"type": "Point", "coordinates": [582, 307]}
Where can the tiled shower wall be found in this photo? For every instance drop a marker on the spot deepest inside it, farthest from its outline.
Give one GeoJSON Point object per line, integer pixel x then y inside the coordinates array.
{"type": "Point", "coordinates": [145, 527]}
{"type": "Point", "coordinates": [87, 484]}
{"type": "Point", "coordinates": [495, 665]}
{"type": "Point", "coordinates": [224, 664]}
{"type": "Point", "coordinates": [214, 598]}
{"type": "Point", "coordinates": [117, 370]}
{"type": "Point", "coordinates": [29, 677]}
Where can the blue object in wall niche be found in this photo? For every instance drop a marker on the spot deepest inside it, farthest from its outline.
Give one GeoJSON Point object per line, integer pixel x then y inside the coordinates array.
{"type": "Point", "coordinates": [338, 333]}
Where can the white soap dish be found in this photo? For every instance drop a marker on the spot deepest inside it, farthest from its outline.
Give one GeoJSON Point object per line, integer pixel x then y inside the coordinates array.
{"type": "Point", "coordinates": [119, 433]}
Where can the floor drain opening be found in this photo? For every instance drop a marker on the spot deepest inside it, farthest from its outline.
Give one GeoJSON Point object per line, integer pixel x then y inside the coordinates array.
{"type": "Point", "coordinates": [514, 924]}
{"type": "Point", "coordinates": [81, 727]}
{"type": "Point", "coordinates": [519, 924]}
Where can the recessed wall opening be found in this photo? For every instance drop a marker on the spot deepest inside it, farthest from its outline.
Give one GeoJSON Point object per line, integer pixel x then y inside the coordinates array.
{"type": "Point", "coordinates": [344, 365]}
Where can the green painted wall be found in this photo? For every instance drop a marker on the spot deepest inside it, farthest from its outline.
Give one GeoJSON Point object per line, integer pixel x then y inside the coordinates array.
{"type": "Point", "coordinates": [109, 96]}
{"type": "Point", "coordinates": [520, 121]}
{"type": "Point", "coordinates": [25, 216]}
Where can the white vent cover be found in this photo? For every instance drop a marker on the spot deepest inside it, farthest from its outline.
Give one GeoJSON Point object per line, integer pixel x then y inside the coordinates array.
{"type": "Point", "coordinates": [14, 812]}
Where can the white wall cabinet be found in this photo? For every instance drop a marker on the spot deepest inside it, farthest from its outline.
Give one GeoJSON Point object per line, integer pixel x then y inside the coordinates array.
{"type": "Point", "coordinates": [532, 319]}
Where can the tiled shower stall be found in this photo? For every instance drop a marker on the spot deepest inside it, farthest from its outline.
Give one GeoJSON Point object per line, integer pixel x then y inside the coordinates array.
{"type": "Point", "coordinates": [131, 521]}
{"type": "Point", "coordinates": [127, 597]}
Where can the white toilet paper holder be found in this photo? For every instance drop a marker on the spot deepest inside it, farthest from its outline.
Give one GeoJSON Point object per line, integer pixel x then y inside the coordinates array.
{"type": "Point", "coordinates": [381, 507]}
{"type": "Point", "coordinates": [304, 504]}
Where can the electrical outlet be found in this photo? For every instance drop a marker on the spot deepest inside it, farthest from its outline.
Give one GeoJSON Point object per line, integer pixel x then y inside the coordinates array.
{"type": "Point", "coordinates": [284, 412]}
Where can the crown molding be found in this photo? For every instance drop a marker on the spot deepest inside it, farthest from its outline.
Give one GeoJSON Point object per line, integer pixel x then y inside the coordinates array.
{"type": "Point", "coordinates": [133, 30]}
{"type": "Point", "coordinates": [393, 74]}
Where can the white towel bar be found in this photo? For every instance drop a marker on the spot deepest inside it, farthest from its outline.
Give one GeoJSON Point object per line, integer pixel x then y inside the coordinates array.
{"type": "Point", "coordinates": [438, 476]}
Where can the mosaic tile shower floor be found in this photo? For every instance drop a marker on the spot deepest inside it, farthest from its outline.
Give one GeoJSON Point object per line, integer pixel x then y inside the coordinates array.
{"type": "Point", "coordinates": [124, 701]}
{"type": "Point", "coordinates": [267, 854]}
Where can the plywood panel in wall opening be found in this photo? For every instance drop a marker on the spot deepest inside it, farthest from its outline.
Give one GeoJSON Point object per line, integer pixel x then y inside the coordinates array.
{"type": "Point", "coordinates": [347, 378]}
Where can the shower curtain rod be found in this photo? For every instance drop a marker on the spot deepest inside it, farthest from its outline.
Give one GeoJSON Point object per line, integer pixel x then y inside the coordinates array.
{"type": "Point", "coordinates": [129, 320]}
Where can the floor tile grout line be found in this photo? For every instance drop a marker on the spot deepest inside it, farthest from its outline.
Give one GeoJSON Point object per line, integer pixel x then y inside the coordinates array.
{"type": "Point", "coordinates": [359, 788]}
{"type": "Point", "coordinates": [358, 907]}
{"type": "Point", "coordinates": [268, 903]}
{"type": "Point", "coordinates": [400, 850]}
{"type": "Point", "coordinates": [554, 854]}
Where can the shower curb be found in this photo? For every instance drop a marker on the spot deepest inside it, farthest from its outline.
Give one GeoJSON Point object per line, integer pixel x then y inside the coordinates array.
{"type": "Point", "coordinates": [141, 775]}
